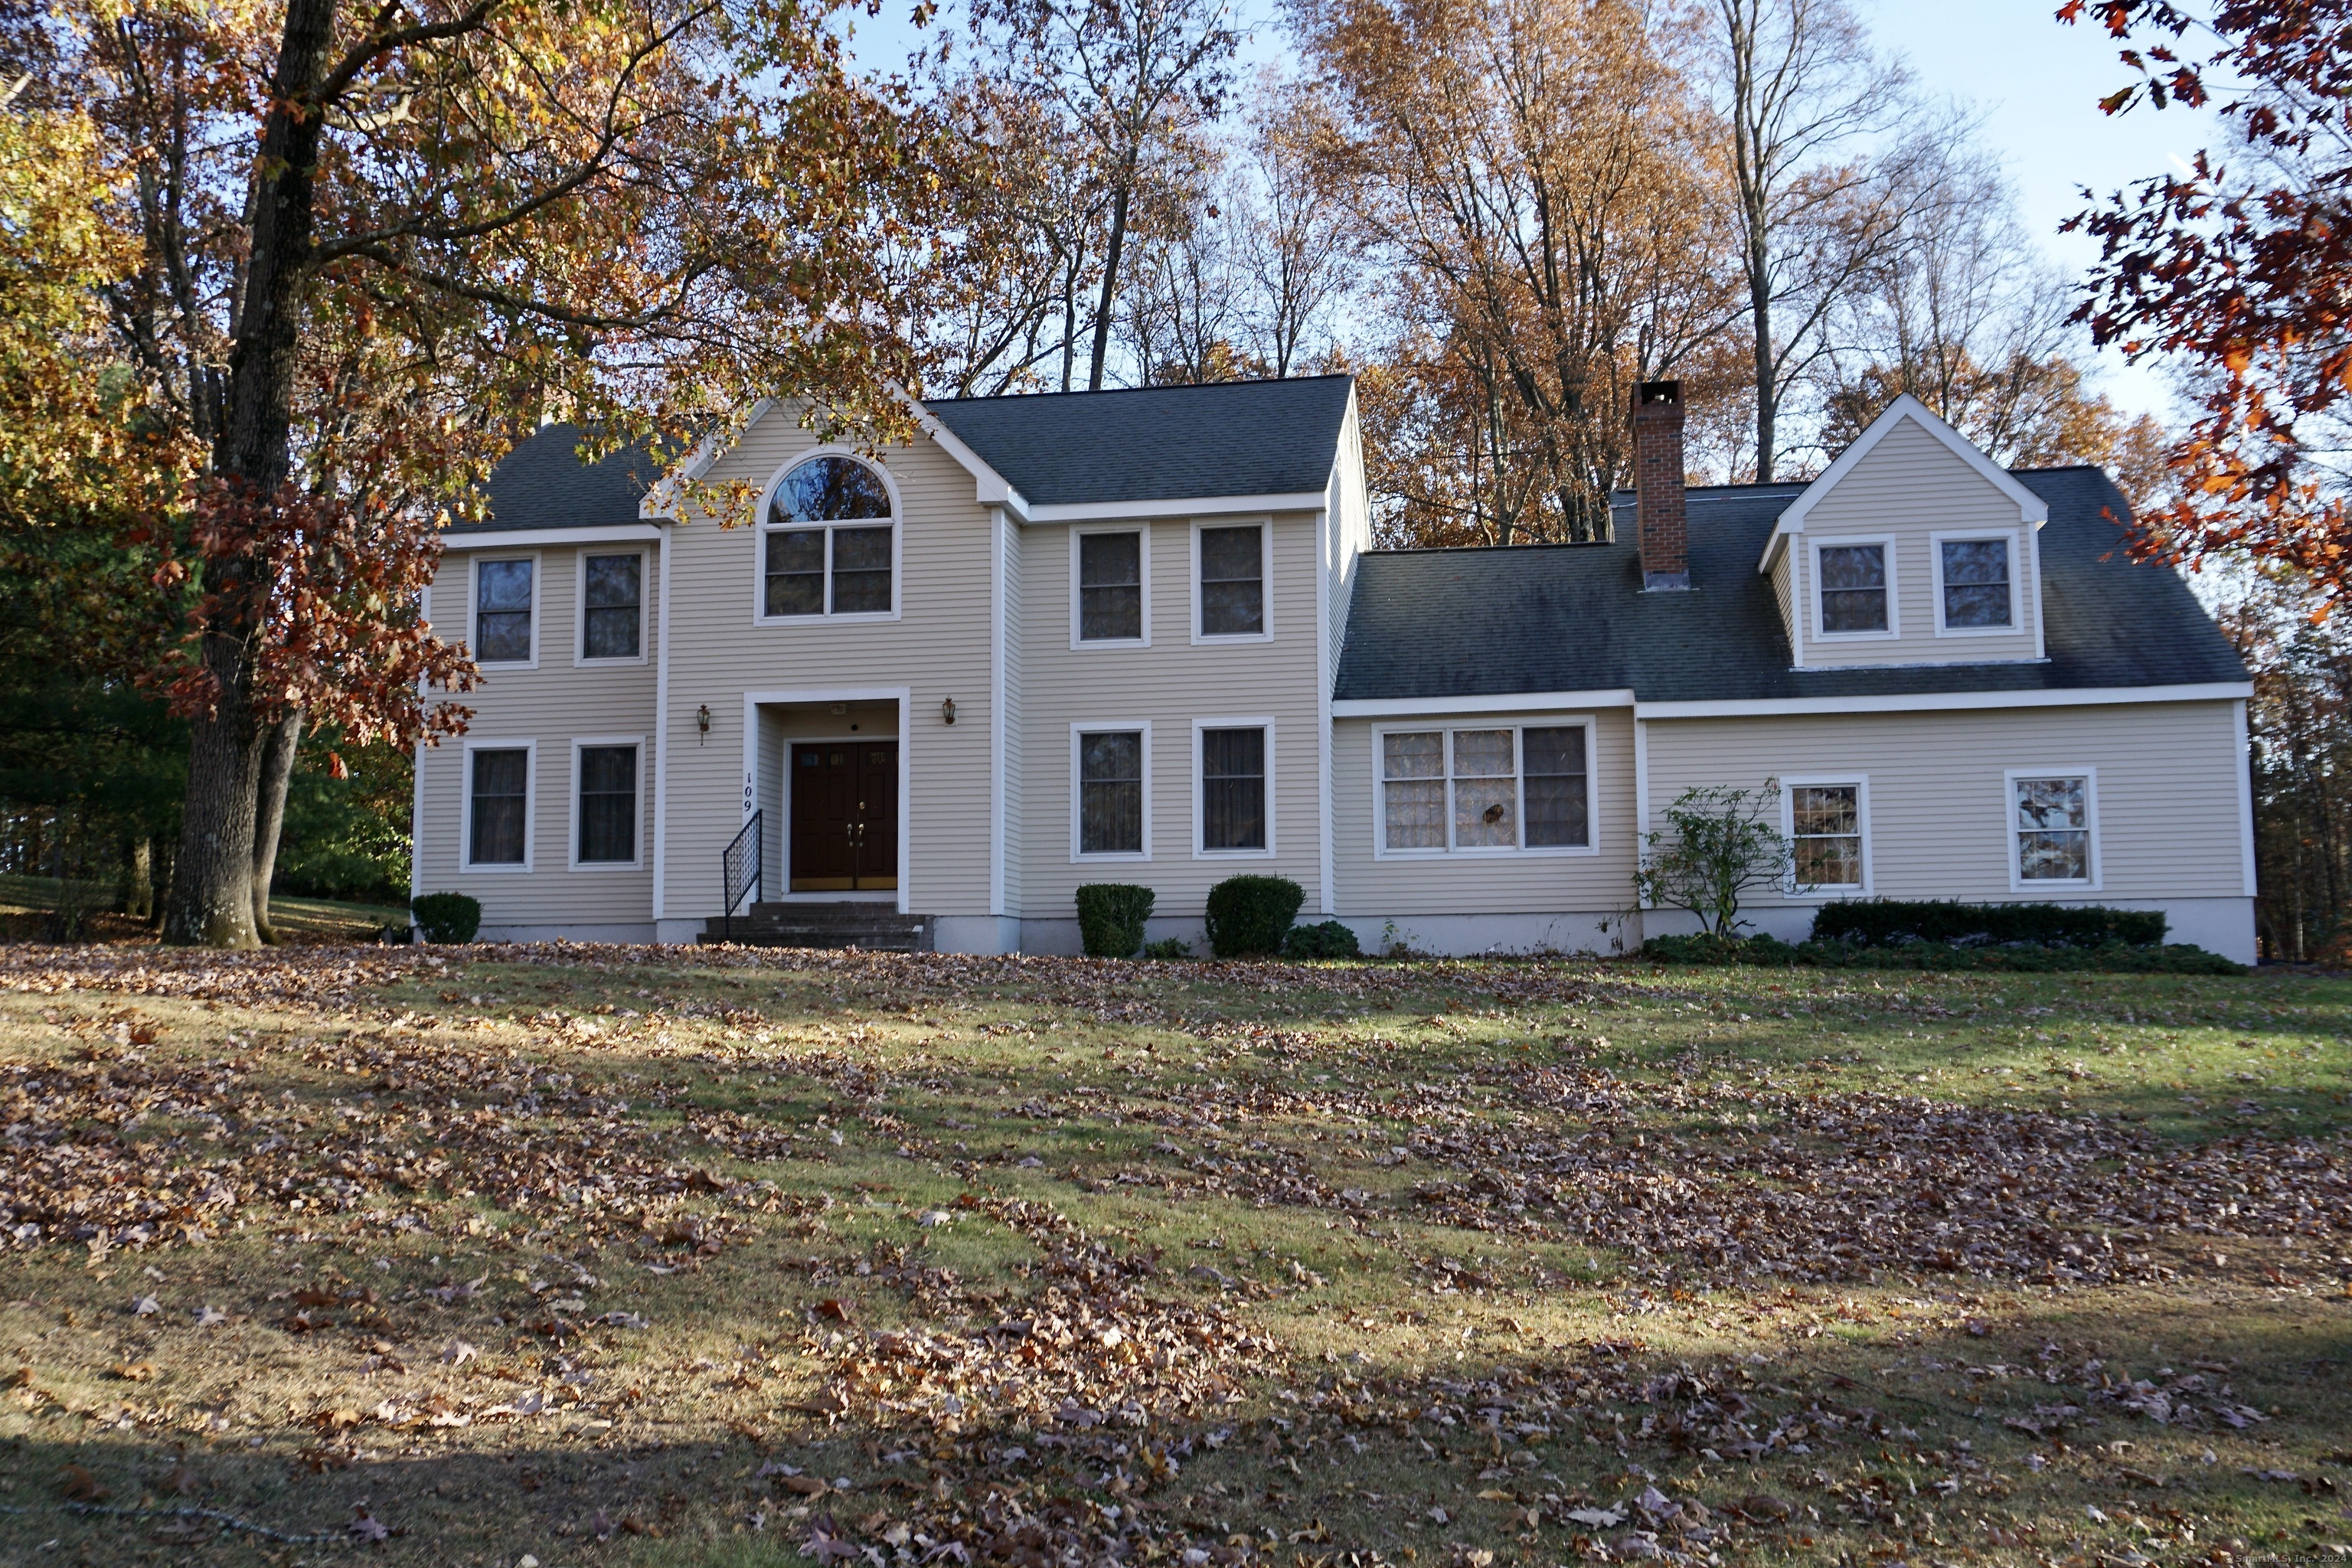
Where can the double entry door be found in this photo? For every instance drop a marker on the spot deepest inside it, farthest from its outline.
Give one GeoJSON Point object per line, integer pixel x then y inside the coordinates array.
{"type": "Point", "coordinates": [844, 815]}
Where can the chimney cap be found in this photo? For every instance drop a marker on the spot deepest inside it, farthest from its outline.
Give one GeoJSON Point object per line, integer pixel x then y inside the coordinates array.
{"type": "Point", "coordinates": [1652, 393]}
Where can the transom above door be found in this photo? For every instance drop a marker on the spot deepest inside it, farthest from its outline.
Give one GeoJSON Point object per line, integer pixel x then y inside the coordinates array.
{"type": "Point", "coordinates": [843, 797]}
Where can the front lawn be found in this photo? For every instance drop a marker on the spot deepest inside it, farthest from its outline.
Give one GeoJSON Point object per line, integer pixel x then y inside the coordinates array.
{"type": "Point", "coordinates": [635, 1255]}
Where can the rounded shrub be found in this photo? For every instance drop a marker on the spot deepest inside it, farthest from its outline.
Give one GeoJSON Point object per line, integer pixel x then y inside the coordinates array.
{"type": "Point", "coordinates": [1248, 916]}
{"type": "Point", "coordinates": [448, 917]}
{"type": "Point", "coordinates": [1330, 939]}
{"type": "Point", "coordinates": [1111, 917]}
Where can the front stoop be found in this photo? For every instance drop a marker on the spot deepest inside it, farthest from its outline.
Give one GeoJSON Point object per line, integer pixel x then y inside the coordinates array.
{"type": "Point", "coordinates": [871, 928]}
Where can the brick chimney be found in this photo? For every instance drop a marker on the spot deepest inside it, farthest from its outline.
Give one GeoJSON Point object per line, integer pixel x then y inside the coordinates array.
{"type": "Point", "coordinates": [1662, 531]}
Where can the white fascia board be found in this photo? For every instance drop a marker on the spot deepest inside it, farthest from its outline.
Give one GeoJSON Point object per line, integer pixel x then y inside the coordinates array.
{"type": "Point", "coordinates": [533, 538]}
{"type": "Point", "coordinates": [660, 500]}
{"type": "Point", "coordinates": [1947, 702]}
{"type": "Point", "coordinates": [2030, 507]}
{"type": "Point", "coordinates": [1190, 506]}
{"type": "Point", "coordinates": [991, 488]}
{"type": "Point", "coordinates": [1514, 702]}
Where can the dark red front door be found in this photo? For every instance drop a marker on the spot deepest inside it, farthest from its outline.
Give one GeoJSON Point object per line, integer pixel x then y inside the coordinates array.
{"type": "Point", "coordinates": [844, 812]}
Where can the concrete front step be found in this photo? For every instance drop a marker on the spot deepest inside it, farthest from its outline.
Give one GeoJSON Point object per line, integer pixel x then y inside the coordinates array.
{"type": "Point", "coordinates": [872, 928]}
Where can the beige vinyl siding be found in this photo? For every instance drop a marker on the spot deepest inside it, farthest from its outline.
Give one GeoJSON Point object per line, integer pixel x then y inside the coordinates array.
{"type": "Point", "coordinates": [553, 705]}
{"type": "Point", "coordinates": [940, 647]}
{"type": "Point", "coordinates": [1783, 591]}
{"type": "Point", "coordinates": [1169, 684]}
{"type": "Point", "coordinates": [1371, 888]}
{"type": "Point", "coordinates": [1912, 486]}
{"type": "Point", "coordinates": [1012, 649]}
{"type": "Point", "coordinates": [2167, 791]}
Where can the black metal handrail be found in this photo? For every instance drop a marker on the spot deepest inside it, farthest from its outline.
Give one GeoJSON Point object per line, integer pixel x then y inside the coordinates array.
{"type": "Point", "coordinates": [738, 869]}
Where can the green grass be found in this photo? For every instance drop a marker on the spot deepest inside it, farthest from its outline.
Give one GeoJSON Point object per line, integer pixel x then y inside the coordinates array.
{"type": "Point", "coordinates": [1180, 1184]}
{"type": "Point", "coordinates": [25, 899]}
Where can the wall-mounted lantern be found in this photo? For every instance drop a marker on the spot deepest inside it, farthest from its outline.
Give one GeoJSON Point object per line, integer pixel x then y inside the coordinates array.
{"type": "Point", "coordinates": [702, 718]}
{"type": "Point", "coordinates": [947, 710]}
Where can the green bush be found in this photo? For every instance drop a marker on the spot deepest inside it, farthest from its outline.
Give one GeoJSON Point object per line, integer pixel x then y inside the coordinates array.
{"type": "Point", "coordinates": [1111, 917]}
{"type": "Point", "coordinates": [1249, 915]}
{"type": "Point", "coordinates": [1168, 947]}
{"type": "Point", "coordinates": [1890, 923]}
{"type": "Point", "coordinates": [2112, 957]}
{"type": "Point", "coordinates": [1331, 939]}
{"type": "Point", "coordinates": [448, 917]}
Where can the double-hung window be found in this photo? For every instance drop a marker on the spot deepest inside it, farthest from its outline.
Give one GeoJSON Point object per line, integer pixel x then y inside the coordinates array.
{"type": "Point", "coordinates": [504, 599]}
{"type": "Point", "coordinates": [1973, 585]}
{"type": "Point", "coordinates": [1233, 759]}
{"type": "Point", "coordinates": [1826, 833]}
{"type": "Point", "coordinates": [828, 544]}
{"type": "Point", "coordinates": [2053, 827]}
{"type": "Point", "coordinates": [1111, 593]}
{"type": "Point", "coordinates": [1486, 788]}
{"type": "Point", "coordinates": [1112, 798]}
{"type": "Point", "coordinates": [1231, 567]}
{"type": "Point", "coordinates": [498, 806]}
{"type": "Point", "coordinates": [608, 805]}
{"type": "Point", "coordinates": [1856, 597]}
{"type": "Point", "coordinates": [612, 600]}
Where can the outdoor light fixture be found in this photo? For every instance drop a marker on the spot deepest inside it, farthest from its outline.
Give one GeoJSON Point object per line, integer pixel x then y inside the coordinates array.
{"type": "Point", "coordinates": [947, 710]}
{"type": "Point", "coordinates": [702, 718]}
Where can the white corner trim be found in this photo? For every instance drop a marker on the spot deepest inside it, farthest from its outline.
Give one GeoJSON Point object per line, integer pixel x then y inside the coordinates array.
{"type": "Point", "coordinates": [638, 833]}
{"type": "Point", "coordinates": [762, 528]}
{"type": "Point", "coordinates": [2245, 796]}
{"type": "Point", "coordinates": [1000, 567]}
{"type": "Point", "coordinates": [1174, 508]}
{"type": "Point", "coordinates": [2018, 883]}
{"type": "Point", "coordinates": [466, 864]}
{"type": "Point", "coordinates": [580, 657]}
{"type": "Point", "coordinates": [2010, 536]}
{"type": "Point", "coordinates": [1790, 782]}
{"type": "Point", "coordinates": [1328, 555]}
{"type": "Point", "coordinates": [1142, 531]}
{"type": "Point", "coordinates": [2030, 507]}
{"type": "Point", "coordinates": [474, 606]}
{"type": "Point", "coordinates": [1944, 702]}
{"type": "Point", "coordinates": [1886, 542]}
{"type": "Point", "coordinates": [1105, 727]}
{"type": "Point", "coordinates": [661, 730]}
{"type": "Point", "coordinates": [1265, 526]}
{"type": "Point", "coordinates": [1200, 790]}
{"type": "Point", "coordinates": [494, 540]}
{"type": "Point", "coordinates": [1517, 702]}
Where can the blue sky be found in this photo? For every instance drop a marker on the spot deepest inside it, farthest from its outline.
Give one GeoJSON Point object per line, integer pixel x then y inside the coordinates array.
{"type": "Point", "coordinates": [2034, 83]}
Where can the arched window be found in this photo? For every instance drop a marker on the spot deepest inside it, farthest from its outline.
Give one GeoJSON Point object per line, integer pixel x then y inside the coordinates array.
{"type": "Point", "coordinates": [829, 542]}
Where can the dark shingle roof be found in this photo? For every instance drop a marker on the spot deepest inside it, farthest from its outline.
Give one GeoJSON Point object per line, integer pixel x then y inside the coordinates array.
{"type": "Point", "coordinates": [1159, 443]}
{"type": "Point", "coordinates": [1571, 617]}
{"type": "Point", "coordinates": [544, 484]}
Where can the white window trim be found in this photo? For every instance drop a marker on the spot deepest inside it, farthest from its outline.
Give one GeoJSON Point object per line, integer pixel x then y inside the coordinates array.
{"type": "Point", "coordinates": [1201, 793]}
{"type": "Point", "coordinates": [1105, 727]}
{"type": "Point", "coordinates": [474, 605]}
{"type": "Point", "coordinates": [1591, 847]}
{"type": "Point", "coordinates": [1265, 525]}
{"type": "Point", "coordinates": [2016, 626]}
{"type": "Point", "coordinates": [2018, 882]}
{"type": "Point", "coordinates": [580, 656]}
{"type": "Point", "coordinates": [1143, 554]}
{"type": "Point", "coordinates": [636, 838]}
{"type": "Point", "coordinates": [1814, 545]}
{"type": "Point", "coordinates": [467, 864]}
{"type": "Point", "coordinates": [1861, 783]}
{"type": "Point", "coordinates": [762, 528]}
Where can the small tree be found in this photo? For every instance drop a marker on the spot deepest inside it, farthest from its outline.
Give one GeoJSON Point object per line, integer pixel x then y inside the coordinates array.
{"type": "Point", "coordinates": [1718, 844]}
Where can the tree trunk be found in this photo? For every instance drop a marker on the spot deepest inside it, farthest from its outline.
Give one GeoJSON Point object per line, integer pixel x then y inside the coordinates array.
{"type": "Point", "coordinates": [284, 740]}
{"type": "Point", "coordinates": [212, 900]}
{"type": "Point", "coordinates": [1110, 280]}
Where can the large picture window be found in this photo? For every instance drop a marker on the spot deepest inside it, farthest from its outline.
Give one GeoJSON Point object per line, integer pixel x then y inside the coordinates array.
{"type": "Point", "coordinates": [1486, 788]}
{"type": "Point", "coordinates": [2055, 826]}
{"type": "Point", "coordinates": [1232, 568]}
{"type": "Point", "coordinates": [1110, 586]}
{"type": "Point", "coordinates": [829, 547]}
{"type": "Point", "coordinates": [498, 805]}
{"type": "Point", "coordinates": [608, 806]}
{"type": "Point", "coordinates": [504, 602]}
{"type": "Point", "coordinates": [611, 614]}
{"type": "Point", "coordinates": [1111, 795]}
{"type": "Point", "coordinates": [1233, 789]}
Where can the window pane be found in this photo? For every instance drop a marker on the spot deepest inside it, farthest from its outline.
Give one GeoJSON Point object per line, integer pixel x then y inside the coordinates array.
{"type": "Point", "coordinates": [609, 627]}
{"type": "Point", "coordinates": [2053, 820]}
{"type": "Point", "coordinates": [830, 489]}
{"type": "Point", "coordinates": [608, 803]}
{"type": "Point", "coordinates": [1975, 582]}
{"type": "Point", "coordinates": [1233, 784]}
{"type": "Point", "coordinates": [1557, 807]}
{"type": "Point", "coordinates": [1419, 756]}
{"type": "Point", "coordinates": [1111, 793]}
{"type": "Point", "coordinates": [1828, 822]}
{"type": "Point", "coordinates": [1482, 814]}
{"type": "Point", "coordinates": [1853, 587]}
{"type": "Point", "coordinates": [1233, 587]}
{"type": "Point", "coordinates": [1416, 815]}
{"type": "Point", "coordinates": [502, 612]}
{"type": "Point", "coordinates": [1110, 586]}
{"type": "Point", "coordinates": [501, 788]}
{"type": "Point", "coordinates": [1482, 754]}
{"type": "Point", "coordinates": [861, 570]}
{"type": "Point", "coordinates": [611, 633]}
{"type": "Point", "coordinates": [796, 573]}
{"type": "Point", "coordinates": [613, 582]}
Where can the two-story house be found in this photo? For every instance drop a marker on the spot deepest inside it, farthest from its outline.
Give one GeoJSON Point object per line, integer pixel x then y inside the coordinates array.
{"type": "Point", "coordinates": [1142, 637]}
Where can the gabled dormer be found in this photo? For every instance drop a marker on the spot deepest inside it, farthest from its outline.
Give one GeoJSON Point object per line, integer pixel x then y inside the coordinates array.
{"type": "Point", "coordinates": [1913, 548]}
